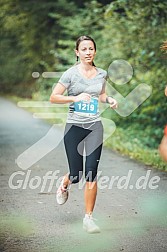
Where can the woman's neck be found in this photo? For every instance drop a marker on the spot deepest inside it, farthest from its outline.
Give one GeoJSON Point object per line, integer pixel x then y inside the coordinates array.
{"type": "Point", "coordinates": [86, 66]}
{"type": "Point", "coordinates": [87, 70]}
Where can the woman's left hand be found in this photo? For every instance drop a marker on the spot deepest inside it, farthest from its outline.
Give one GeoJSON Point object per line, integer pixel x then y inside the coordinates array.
{"type": "Point", "coordinates": [113, 103]}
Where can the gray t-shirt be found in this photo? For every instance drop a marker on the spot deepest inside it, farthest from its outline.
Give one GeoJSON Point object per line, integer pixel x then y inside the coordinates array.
{"type": "Point", "coordinates": [76, 84]}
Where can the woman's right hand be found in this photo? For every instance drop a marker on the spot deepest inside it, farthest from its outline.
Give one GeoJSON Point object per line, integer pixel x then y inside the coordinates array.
{"type": "Point", "coordinates": [82, 97]}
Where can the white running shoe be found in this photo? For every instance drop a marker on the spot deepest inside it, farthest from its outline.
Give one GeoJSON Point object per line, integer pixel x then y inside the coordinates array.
{"type": "Point", "coordinates": [62, 193]}
{"type": "Point", "coordinates": [89, 225]}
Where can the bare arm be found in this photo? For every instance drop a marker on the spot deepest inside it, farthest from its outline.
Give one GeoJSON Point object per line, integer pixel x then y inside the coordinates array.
{"type": "Point", "coordinates": [106, 99]}
{"type": "Point", "coordinates": [166, 91]}
{"type": "Point", "coordinates": [163, 148]}
{"type": "Point", "coordinates": [58, 96]}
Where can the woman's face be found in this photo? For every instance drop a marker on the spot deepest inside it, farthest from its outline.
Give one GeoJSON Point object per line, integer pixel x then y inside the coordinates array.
{"type": "Point", "coordinates": [86, 51]}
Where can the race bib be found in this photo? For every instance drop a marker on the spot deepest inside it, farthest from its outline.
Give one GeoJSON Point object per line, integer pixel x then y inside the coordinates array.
{"type": "Point", "coordinates": [86, 108]}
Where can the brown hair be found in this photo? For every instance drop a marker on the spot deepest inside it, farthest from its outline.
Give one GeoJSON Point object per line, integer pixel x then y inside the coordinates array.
{"type": "Point", "coordinates": [82, 38]}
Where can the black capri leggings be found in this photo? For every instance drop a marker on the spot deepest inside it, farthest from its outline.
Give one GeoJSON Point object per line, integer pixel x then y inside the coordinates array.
{"type": "Point", "coordinates": [80, 137]}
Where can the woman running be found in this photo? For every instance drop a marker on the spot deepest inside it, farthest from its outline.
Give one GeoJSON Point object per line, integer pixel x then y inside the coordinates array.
{"type": "Point", "coordinates": [85, 85]}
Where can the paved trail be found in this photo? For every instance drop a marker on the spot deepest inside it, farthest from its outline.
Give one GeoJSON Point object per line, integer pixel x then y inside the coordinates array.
{"type": "Point", "coordinates": [131, 220]}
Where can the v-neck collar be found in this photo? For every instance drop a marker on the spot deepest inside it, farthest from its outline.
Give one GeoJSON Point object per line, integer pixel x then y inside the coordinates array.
{"type": "Point", "coordinates": [86, 77]}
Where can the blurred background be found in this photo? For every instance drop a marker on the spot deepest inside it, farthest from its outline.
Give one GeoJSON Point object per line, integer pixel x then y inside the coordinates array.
{"type": "Point", "coordinates": [39, 36]}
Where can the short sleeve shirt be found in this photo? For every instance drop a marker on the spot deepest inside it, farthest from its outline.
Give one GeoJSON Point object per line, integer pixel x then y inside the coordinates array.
{"type": "Point", "coordinates": [76, 84]}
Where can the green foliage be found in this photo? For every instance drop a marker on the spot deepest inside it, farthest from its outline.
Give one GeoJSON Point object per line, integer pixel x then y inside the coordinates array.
{"type": "Point", "coordinates": [131, 142]}
{"type": "Point", "coordinates": [29, 32]}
